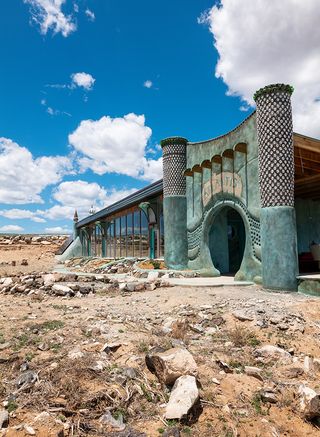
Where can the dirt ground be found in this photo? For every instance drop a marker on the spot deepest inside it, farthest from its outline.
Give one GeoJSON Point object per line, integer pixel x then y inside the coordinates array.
{"type": "Point", "coordinates": [60, 340]}
{"type": "Point", "coordinates": [39, 258]}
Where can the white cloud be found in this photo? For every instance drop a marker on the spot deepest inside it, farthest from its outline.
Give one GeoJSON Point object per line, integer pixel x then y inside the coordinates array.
{"type": "Point", "coordinates": [53, 112]}
{"type": "Point", "coordinates": [58, 230]}
{"type": "Point", "coordinates": [22, 177]}
{"type": "Point", "coordinates": [83, 80]}
{"type": "Point", "coordinates": [152, 169]}
{"type": "Point", "coordinates": [16, 213]}
{"type": "Point", "coordinates": [57, 85]}
{"type": "Point", "coordinates": [115, 145]}
{"type": "Point", "coordinates": [48, 15]}
{"type": "Point", "coordinates": [148, 84]}
{"type": "Point", "coordinates": [90, 14]}
{"type": "Point", "coordinates": [262, 42]}
{"type": "Point", "coordinates": [58, 212]}
{"type": "Point", "coordinates": [80, 195]}
{"type": "Point", "coordinates": [11, 228]}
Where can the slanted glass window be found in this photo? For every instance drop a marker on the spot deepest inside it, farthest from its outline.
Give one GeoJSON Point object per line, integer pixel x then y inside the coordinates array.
{"type": "Point", "coordinates": [123, 238]}
{"type": "Point", "coordinates": [108, 242]}
{"type": "Point", "coordinates": [112, 240]}
{"type": "Point", "coordinates": [117, 236]}
{"type": "Point", "coordinates": [130, 234]}
{"type": "Point", "coordinates": [98, 241]}
{"type": "Point", "coordinates": [84, 242]}
{"type": "Point", "coordinates": [93, 241]}
{"type": "Point", "coordinates": [161, 236]}
{"type": "Point", "coordinates": [144, 236]}
{"type": "Point", "coordinates": [137, 231]}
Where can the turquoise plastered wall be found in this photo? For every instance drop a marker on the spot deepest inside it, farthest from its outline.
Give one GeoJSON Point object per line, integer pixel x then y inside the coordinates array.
{"type": "Point", "coordinates": [308, 223]}
{"type": "Point", "coordinates": [202, 214]}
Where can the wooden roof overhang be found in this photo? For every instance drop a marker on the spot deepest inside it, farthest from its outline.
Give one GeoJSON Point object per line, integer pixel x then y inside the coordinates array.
{"type": "Point", "coordinates": [306, 166]}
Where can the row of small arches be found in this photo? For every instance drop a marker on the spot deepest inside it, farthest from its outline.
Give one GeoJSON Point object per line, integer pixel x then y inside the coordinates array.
{"type": "Point", "coordinates": [228, 153]}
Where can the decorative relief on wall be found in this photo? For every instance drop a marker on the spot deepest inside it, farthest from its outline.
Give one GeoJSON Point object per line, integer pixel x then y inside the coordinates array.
{"type": "Point", "coordinates": [194, 236]}
{"type": "Point", "coordinates": [225, 182]}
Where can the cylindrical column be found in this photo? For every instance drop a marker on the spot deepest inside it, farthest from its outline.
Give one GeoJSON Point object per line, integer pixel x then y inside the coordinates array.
{"type": "Point", "coordinates": [175, 203]}
{"type": "Point", "coordinates": [276, 180]}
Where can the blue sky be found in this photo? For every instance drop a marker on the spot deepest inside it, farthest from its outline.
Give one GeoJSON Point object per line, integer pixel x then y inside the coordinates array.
{"type": "Point", "coordinates": [153, 60]}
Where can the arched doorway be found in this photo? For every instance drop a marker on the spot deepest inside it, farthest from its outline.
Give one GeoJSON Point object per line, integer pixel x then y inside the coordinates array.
{"type": "Point", "coordinates": [227, 240]}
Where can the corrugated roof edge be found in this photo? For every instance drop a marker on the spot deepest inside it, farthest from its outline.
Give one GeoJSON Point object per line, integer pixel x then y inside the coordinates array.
{"type": "Point", "coordinates": [138, 196]}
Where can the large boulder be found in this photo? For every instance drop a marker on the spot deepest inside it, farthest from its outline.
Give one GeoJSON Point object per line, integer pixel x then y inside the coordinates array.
{"type": "Point", "coordinates": [309, 402]}
{"type": "Point", "coordinates": [269, 352]}
{"type": "Point", "coordinates": [4, 418]}
{"type": "Point", "coordinates": [61, 290]}
{"type": "Point", "coordinates": [183, 397]}
{"type": "Point", "coordinates": [49, 279]}
{"type": "Point", "coordinates": [171, 364]}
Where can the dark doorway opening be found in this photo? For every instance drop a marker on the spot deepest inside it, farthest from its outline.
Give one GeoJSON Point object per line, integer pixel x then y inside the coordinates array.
{"type": "Point", "coordinates": [227, 240]}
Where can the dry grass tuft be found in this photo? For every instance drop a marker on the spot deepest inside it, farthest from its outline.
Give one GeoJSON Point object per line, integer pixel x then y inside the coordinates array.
{"type": "Point", "coordinates": [241, 336]}
{"type": "Point", "coordinates": [180, 329]}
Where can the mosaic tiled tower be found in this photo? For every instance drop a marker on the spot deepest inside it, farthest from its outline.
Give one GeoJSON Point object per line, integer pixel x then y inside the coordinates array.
{"type": "Point", "coordinates": [175, 202]}
{"type": "Point", "coordinates": [276, 180]}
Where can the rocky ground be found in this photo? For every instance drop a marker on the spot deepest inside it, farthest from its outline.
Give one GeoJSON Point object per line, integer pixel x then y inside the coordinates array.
{"type": "Point", "coordinates": [93, 356]}
{"type": "Point", "coordinates": [22, 254]}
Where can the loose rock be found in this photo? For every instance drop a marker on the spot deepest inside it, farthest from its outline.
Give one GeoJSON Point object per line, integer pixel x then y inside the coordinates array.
{"type": "Point", "coordinates": [4, 418]}
{"type": "Point", "coordinates": [171, 364]}
{"type": "Point", "coordinates": [309, 402]}
{"type": "Point", "coordinates": [183, 397]}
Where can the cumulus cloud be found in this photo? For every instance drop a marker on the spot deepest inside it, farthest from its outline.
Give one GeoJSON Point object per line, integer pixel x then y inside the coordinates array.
{"type": "Point", "coordinates": [23, 178]}
{"type": "Point", "coordinates": [90, 15]}
{"type": "Point", "coordinates": [81, 195]}
{"type": "Point", "coordinates": [82, 80]}
{"type": "Point", "coordinates": [58, 230]}
{"type": "Point", "coordinates": [48, 15]}
{"type": "Point", "coordinates": [115, 145]}
{"type": "Point", "coordinates": [262, 42]}
{"type": "Point", "coordinates": [16, 213]}
{"type": "Point", "coordinates": [11, 228]}
{"type": "Point", "coordinates": [148, 84]}
{"type": "Point", "coordinates": [152, 169]}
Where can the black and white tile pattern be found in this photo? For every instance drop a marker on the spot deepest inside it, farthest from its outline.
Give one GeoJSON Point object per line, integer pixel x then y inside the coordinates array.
{"type": "Point", "coordinates": [276, 157]}
{"type": "Point", "coordinates": [174, 165]}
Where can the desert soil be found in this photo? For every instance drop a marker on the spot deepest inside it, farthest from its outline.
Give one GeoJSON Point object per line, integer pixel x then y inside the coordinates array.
{"type": "Point", "coordinates": [39, 258]}
{"type": "Point", "coordinates": [60, 341]}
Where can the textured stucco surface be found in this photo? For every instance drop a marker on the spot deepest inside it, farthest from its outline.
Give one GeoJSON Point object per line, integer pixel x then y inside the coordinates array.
{"type": "Point", "coordinates": [279, 248]}
{"type": "Point", "coordinates": [201, 217]}
{"type": "Point", "coordinates": [175, 232]}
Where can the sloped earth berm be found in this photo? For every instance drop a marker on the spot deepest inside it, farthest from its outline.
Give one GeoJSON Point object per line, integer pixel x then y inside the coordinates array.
{"type": "Point", "coordinates": [77, 366]}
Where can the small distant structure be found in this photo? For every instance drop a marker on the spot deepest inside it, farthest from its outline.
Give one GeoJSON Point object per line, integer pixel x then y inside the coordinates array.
{"type": "Point", "coordinates": [75, 221]}
{"type": "Point", "coordinates": [92, 210]}
{"type": "Point", "coordinates": [75, 217]}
